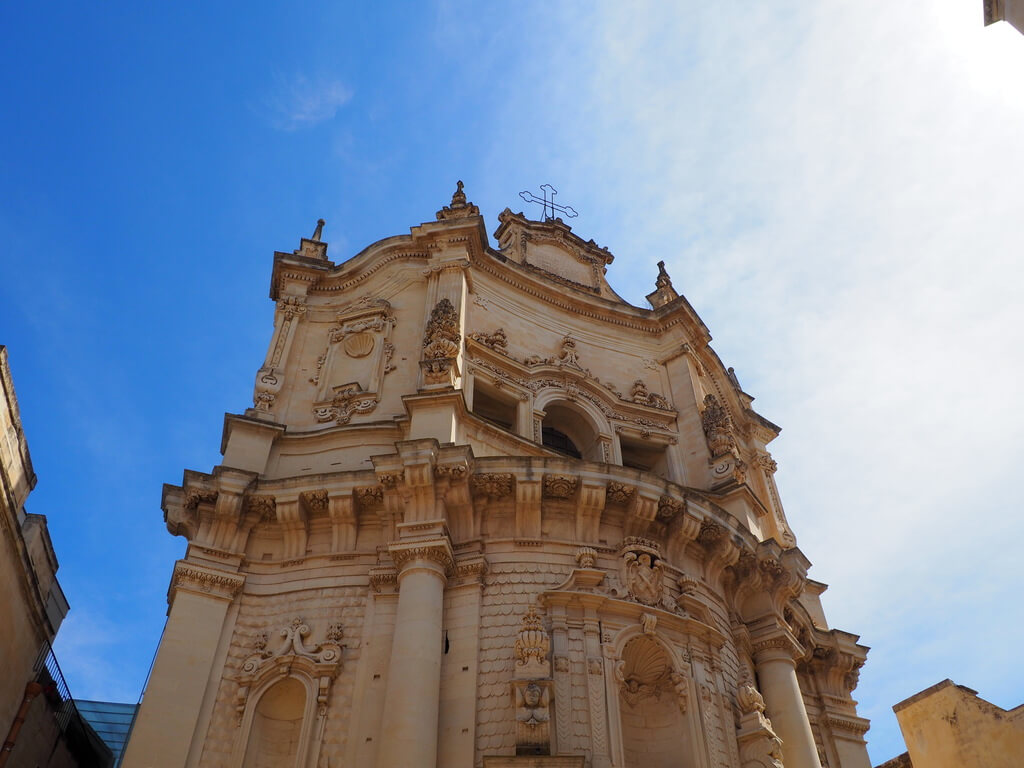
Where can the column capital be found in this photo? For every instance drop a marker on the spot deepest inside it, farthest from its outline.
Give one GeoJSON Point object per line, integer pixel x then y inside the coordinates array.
{"type": "Point", "coordinates": [770, 640]}
{"type": "Point", "coordinates": [426, 541]}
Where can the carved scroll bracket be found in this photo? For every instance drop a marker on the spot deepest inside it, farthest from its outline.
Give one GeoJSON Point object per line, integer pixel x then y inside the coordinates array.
{"type": "Point", "coordinates": [319, 664]}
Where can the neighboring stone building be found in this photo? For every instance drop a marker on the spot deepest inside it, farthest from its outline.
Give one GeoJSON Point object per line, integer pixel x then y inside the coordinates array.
{"type": "Point", "coordinates": [948, 726]}
{"type": "Point", "coordinates": [1005, 10]}
{"type": "Point", "coordinates": [485, 512]}
{"type": "Point", "coordinates": [39, 724]}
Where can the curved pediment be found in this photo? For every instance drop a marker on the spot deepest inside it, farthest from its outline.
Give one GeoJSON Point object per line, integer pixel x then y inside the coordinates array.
{"type": "Point", "coordinates": [550, 248]}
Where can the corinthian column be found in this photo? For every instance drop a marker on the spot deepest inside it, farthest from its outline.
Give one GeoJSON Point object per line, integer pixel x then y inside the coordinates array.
{"type": "Point", "coordinates": [408, 733]}
{"type": "Point", "coordinates": [775, 658]}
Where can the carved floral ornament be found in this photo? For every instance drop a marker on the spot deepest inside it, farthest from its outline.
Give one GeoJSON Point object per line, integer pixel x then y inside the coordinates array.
{"type": "Point", "coordinates": [319, 663]}
{"type": "Point", "coordinates": [567, 359]}
{"type": "Point", "coordinates": [493, 485]}
{"type": "Point", "coordinates": [718, 427]}
{"type": "Point", "coordinates": [757, 741]}
{"type": "Point", "coordinates": [586, 557]}
{"type": "Point", "coordinates": [442, 337]}
{"type": "Point", "coordinates": [620, 493]}
{"type": "Point", "coordinates": [292, 306]}
{"type": "Point", "coordinates": [441, 342]}
{"type": "Point", "coordinates": [560, 486]}
{"type": "Point", "coordinates": [348, 401]}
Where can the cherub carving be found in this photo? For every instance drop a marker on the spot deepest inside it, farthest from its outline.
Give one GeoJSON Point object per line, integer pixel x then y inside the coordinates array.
{"type": "Point", "coordinates": [532, 705]}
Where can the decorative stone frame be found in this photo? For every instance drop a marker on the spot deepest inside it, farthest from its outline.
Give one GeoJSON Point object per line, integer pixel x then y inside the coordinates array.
{"type": "Point", "coordinates": [312, 729]}
{"type": "Point", "coordinates": [361, 331]}
{"type": "Point", "coordinates": [314, 668]}
{"type": "Point", "coordinates": [686, 696]}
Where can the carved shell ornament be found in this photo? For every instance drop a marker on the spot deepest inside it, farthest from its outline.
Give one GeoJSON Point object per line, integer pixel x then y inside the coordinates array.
{"type": "Point", "coordinates": [358, 344]}
{"type": "Point", "coordinates": [643, 670]}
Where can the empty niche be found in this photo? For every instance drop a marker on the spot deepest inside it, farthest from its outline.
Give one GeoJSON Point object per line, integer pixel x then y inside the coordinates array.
{"type": "Point", "coordinates": [569, 431]}
{"type": "Point", "coordinates": [276, 728]}
{"type": "Point", "coordinates": [493, 406]}
{"type": "Point", "coordinates": [644, 455]}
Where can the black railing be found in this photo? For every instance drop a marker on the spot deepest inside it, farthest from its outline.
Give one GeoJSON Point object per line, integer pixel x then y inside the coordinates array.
{"type": "Point", "coordinates": [73, 728]}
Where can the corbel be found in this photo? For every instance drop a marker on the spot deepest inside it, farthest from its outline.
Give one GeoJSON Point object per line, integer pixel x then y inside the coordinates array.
{"type": "Point", "coordinates": [642, 512]}
{"type": "Point", "coordinates": [341, 509]}
{"type": "Point", "coordinates": [528, 508]}
{"type": "Point", "coordinates": [589, 507]}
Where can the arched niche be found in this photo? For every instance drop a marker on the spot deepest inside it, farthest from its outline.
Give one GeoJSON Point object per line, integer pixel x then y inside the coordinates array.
{"type": "Point", "coordinates": [271, 686]}
{"type": "Point", "coordinates": [275, 733]}
{"type": "Point", "coordinates": [574, 428]}
{"type": "Point", "coordinates": [652, 703]}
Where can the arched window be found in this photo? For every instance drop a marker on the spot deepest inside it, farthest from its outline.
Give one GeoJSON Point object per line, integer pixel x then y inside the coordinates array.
{"type": "Point", "coordinates": [276, 730]}
{"type": "Point", "coordinates": [569, 430]}
{"type": "Point", "coordinates": [560, 442]}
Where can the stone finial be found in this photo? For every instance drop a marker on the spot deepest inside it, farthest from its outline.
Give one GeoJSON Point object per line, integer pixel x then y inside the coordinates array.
{"type": "Point", "coordinates": [531, 647]}
{"type": "Point", "coordinates": [459, 198]}
{"type": "Point", "coordinates": [586, 557]}
{"type": "Point", "coordinates": [313, 247]}
{"type": "Point", "coordinates": [664, 292]}
{"type": "Point", "coordinates": [663, 280]}
{"type": "Point", "coordinates": [459, 208]}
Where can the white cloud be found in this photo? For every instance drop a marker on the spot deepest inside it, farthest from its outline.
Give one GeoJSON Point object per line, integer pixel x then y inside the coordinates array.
{"type": "Point", "coordinates": [299, 102]}
{"type": "Point", "coordinates": [87, 649]}
{"type": "Point", "coordinates": [835, 188]}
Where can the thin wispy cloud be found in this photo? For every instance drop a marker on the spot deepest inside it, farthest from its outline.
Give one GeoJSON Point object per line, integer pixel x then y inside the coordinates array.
{"type": "Point", "coordinates": [836, 190]}
{"type": "Point", "coordinates": [299, 102]}
{"type": "Point", "coordinates": [86, 650]}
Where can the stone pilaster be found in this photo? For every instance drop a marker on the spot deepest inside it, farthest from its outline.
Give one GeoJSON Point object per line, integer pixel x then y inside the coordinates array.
{"type": "Point", "coordinates": [165, 725]}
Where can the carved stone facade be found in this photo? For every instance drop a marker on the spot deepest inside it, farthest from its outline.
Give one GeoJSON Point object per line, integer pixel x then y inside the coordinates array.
{"type": "Point", "coordinates": [520, 522]}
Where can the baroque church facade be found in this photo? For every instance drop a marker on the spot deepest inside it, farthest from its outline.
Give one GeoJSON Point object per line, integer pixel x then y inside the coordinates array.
{"type": "Point", "coordinates": [484, 512]}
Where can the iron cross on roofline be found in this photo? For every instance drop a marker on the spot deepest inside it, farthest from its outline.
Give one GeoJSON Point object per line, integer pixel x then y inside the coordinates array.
{"type": "Point", "coordinates": [548, 202]}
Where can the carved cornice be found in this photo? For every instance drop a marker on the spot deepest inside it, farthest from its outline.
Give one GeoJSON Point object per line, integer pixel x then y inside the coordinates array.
{"type": "Point", "coordinates": [471, 568]}
{"type": "Point", "coordinates": [383, 576]}
{"type": "Point", "coordinates": [205, 581]}
{"type": "Point", "coordinates": [859, 726]}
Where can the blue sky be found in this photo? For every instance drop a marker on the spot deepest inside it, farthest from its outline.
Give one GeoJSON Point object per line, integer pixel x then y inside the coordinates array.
{"type": "Point", "coordinates": [834, 186]}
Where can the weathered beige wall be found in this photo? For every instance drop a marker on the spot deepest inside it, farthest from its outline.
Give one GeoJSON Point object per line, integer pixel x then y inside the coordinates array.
{"type": "Point", "coordinates": [949, 726]}
{"type": "Point", "coordinates": [40, 742]}
{"type": "Point", "coordinates": [32, 605]}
